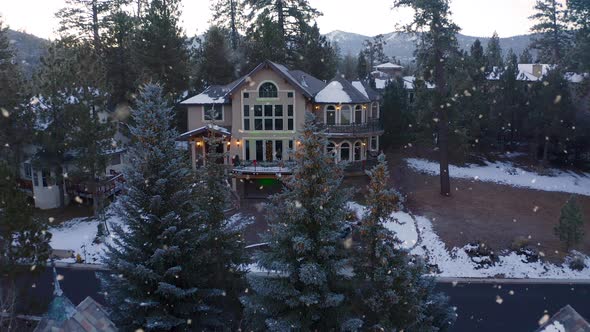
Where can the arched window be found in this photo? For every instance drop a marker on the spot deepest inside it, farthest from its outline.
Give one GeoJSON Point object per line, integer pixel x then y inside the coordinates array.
{"type": "Point", "coordinates": [358, 114]}
{"type": "Point", "coordinates": [375, 111]}
{"type": "Point", "coordinates": [331, 115]}
{"type": "Point", "coordinates": [268, 90]}
{"type": "Point", "coordinates": [357, 151]}
{"type": "Point", "coordinates": [345, 115]}
{"type": "Point", "coordinates": [331, 149]}
{"type": "Point", "coordinates": [345, 151]}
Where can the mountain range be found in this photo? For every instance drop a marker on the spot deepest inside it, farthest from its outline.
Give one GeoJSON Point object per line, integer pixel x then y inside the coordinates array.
{"type": "Point", "coordinates": [401, 45]}
{"type": "Point", "coordinates": [30, 48]}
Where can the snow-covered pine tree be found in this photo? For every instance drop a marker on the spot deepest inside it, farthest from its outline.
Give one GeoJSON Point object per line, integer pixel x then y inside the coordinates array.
{"type": "Point", "coordinates": [570, 229]}
{"type": "Point", "coordinates": [156, 281]}
{"type": "Point", "coordinates": [305, 246]}
{"type": "Point", "coordinates": [391, 293]}
{"type": "Point", "coordinates": [223, 253]}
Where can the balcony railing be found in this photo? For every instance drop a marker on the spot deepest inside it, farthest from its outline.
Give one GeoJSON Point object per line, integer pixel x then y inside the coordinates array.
{"type": "Point", "coordinates": [371, 126]}
{"type": "Point", "coordinates": [264, 167]}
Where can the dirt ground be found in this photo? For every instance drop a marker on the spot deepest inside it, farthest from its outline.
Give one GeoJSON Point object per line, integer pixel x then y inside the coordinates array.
{"type": "Point", "coordinates": [67, 213]}
{"type": "Point", "coordinates": [483, 211]}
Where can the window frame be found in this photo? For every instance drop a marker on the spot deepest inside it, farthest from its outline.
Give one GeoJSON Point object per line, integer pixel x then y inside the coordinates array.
{"type": "Point", "coordinates": [268, 83]}
{"type": "Point", "coordinates": [205, 111]}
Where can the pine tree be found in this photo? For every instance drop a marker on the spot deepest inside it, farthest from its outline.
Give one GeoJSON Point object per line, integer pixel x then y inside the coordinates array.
{"type": "Point", "coordinates": [156, 279]}
{"type": "Point", "coordinates": [361, 67]}
{"type": "Point", "coordinates": [314, 54]}
{"type": "Point", "coordinates": [510, 96]}
{"type": "Point", "coordinates": [287, 14]}
{"type": "Point", "coordinates": [230, 15]}
{"type": "Point", "coordinates": [579, 16]}
{"type": "Point", "coordinates": [161, 48]}
{"type": "Point", "coordinates": [551, 26]}
{"type": "Point", "coordinates": [436, 49]}
{"type": "Point", "coordinates": [56, 107]}
{"type": "Point", "coordinates": [85, 19]}
{"type": "Point", "coordinates": [16, 117]}
{"type": "Point", "coordinates": [398, 118]}
{"type": "Point", "coordinates": [494, 55]}
{"type": "Point", "coordinates": [373, 49]}
{"type": "Point", "coordinates": [526, 56]}
{"type": "Point", "coordinates": [391, 293]}
{"type": "Point", "coordinates": [23, 240]}
{"type": "Point", "coordinates": [215, 65]}
{"type": "Point", "coordinates": [221, 238]}
{"type": "Point", "coordinates": [305, 246]}
{"type": "Point", "coordinates": [263, 43]}
{"type": "Point", "coordinates": [348, 66]}
{"type": "Point", "coordinates": [570, 229]}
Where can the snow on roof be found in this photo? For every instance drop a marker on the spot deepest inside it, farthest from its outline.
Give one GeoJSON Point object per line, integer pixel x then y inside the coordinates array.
{"type": "Point", "coordinates": [205, 128]}
{"type": "Point", "coordinates": [333, 93]}
{"type": "Point", "coordinates": [388, 65]}
{"type": "Point", "coordinates": [212, 95]}
{"type": "Point", "coordinates": [359, 86]}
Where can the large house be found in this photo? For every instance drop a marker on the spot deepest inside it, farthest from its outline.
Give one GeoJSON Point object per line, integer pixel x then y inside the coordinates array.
{"type": "Point", "coordinates": [260, 114]}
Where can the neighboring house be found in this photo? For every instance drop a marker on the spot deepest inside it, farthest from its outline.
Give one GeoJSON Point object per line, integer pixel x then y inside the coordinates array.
{"type": "Point", "coordinates": [566, 320]}
{"type": "Point", "coordinates": [259, 117]}
{"type": "Point", "coordinates": [63, 316]}
{"type": "Point", "coordinates": [387, 70]}
{"type": "Point", "coordinates": [37, 180]}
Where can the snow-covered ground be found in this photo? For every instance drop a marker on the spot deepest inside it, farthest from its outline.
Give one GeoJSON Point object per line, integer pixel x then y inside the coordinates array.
{"type": "Point", "coordinates": [78, 235]}
{"type": "Point", "coordinates": [456, 263]}
{"type": "Point", "coordinates": [507, 173]}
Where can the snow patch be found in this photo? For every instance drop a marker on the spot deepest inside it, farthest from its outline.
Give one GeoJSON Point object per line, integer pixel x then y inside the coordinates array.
{"type": "Point", "coordinates": [507, 173]}
{"type": "Point", "coordinates": [456, 263]}
{"type": "Point", "coordinates": [554, 327]}
{"type": "Point", "coordinates": [333, 93]}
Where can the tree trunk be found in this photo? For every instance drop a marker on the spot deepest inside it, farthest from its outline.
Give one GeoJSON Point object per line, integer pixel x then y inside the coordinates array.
{"type": "Point", "coordinates": [281, 21]}
{"type": "Point", "coordinates": [234, 29]}
{"type": "Point", "coordinates": [59, 182]}
{"type": "Point", "coordinates": [443, 117]}
{"type": "Point", "coordinates": [95, 24]}
{"type": "Point", "coordinates": [545, 153]}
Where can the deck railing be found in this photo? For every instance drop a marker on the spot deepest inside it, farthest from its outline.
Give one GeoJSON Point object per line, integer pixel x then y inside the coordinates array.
{"type": "Point", "coordinates": [371, 126]}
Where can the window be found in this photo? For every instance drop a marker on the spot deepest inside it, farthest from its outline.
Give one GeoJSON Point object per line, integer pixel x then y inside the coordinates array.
{"type": "Point", "coordinates": [268, 150]}
{"type": "Point", "coordinates": [28, 170]}
{"type": "Point", "coordinates": [345, 115]}
{"type": "Point", "coordinates": [345, 151]}
{"type": "Point", "coordinates": [375, 110]}
{"type": "Point", "coordinates": [246, 95]}
{"type": "Point", "coordinates": [374, 143]}
{"type": "Point", "coordinates": [289, 94]}
{"type": "Point", "coordinates": [290, 120]}
{"type": "Point", "coordinates": [290, 151]}
{"type": "Point", "coordinates": [35, 179]}
{"type": "Point", "coordinates": [45, 177]}
{"type": "Point", "coordinates": [279, 150]}
{"type": "Point", "coordinates": [246, 117]}
{"type": "Point", "coordinates": [289, 110]}
{"type": "Point", "coordinates": [331, 115]}
{"type": "Point", "coordinates": [115, 159]}
{"type": "Point", "coordinates": [260, 150]}
{"type": "Point", "coordinates": [357, 151]}
{"type": "Point", "coordinates": [267, 117]}
{"type": "Point", "coordinates": [213, 112]}
{"type": "Point", "coordinates": [268, 90]}
{"type": "Point", "coordinates": [247, 148]}
{"type": "Point", "coordinates": [358, 114]}
{"type": "Point", "coordinates": [331, 149]}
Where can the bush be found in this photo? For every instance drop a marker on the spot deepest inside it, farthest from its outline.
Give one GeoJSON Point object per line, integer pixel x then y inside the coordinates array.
{"type": "Point", "coordinates": [577, 262]}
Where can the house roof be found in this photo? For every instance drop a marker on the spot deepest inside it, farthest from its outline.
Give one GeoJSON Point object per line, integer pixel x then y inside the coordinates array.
{"type": "Point", "coordinates": [220, 94]}
{"type": "Point", "coordinates": [389, 65]}
{"type": "Point", "coordinates": [366, 90]}
{"type": "Point", "coordinates": [205, 129]}
{"type": "Point", "coordinates": [340, 91]}
{"type": "Point", "coordinates": [566, 319]}
{"type": "Point", "coordinates": [62, 316]}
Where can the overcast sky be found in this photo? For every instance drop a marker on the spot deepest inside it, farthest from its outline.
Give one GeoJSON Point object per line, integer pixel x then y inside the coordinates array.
{"type": "Point", "coordinates": [367, 17]}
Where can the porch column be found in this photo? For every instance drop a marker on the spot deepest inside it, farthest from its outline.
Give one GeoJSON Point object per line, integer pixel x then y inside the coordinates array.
{"type": "Point", "coordinates": [194, 154]}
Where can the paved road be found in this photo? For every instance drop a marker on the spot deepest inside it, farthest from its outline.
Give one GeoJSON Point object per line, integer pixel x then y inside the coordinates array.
{"type": "Point", "coordinates": [477, 305]}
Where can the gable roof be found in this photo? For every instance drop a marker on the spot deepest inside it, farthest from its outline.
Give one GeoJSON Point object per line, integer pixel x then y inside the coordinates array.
{"type": "Point", "coordinates": [366, 90]}
{"type": "Point", "coordinates": [341, 91]}
{"type": "Point", "coordinates": [220, 94]}
{"type": "Point", "coordinates": [388, 65]}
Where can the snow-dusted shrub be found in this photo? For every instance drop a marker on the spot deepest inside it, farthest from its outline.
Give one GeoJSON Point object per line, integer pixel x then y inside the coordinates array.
{"type": "Point", "coordinates": [576, 261]}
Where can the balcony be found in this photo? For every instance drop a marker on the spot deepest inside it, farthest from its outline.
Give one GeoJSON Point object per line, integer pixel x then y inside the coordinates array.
{"type": "Point", "coordinates": [372, 127]}
{"type": "Point", "coordinates": [263, 167]}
